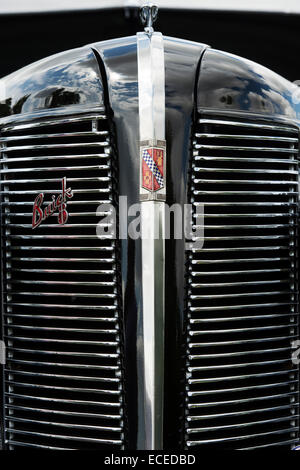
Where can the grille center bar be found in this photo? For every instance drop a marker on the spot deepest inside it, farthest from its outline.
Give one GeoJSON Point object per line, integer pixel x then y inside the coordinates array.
{"type": "Point", "coordinates": [151, 78]}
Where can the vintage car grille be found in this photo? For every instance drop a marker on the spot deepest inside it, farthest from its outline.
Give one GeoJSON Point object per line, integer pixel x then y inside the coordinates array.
{"type": "Point", "coordinates": [242, 387]}
{"type": "Point", "coordinates": [62, 314]}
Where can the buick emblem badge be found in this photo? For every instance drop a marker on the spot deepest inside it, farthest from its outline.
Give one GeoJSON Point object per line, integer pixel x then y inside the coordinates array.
{"type": "Point", "coordinates": [58, 204]}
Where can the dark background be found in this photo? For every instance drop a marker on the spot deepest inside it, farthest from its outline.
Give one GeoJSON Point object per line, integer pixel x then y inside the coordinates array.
{"type": "Point", "coordinates": [271, 39]}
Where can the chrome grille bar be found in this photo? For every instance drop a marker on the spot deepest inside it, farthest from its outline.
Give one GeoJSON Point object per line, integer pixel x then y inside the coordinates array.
{"type": "Point", "coordinates": [248, 263]}
{"type": "Point", "coordinates": [64, 377]}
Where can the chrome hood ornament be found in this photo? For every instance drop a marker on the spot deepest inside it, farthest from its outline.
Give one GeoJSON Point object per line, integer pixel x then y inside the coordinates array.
{"type": "Point", "coordinates": [148, 15]}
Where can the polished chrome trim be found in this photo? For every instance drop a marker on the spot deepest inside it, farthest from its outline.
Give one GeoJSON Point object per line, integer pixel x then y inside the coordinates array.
{"type": "Point", "coordinates": [229, 296]}
{"type": "Point", "coordinates": [66, 425]}
{"type": "Point", "coordinates": [63, 318]}
{"type": "Point", "coordinates": [53, 136]}
{"type": "Point", "coordinates": [241, 437]}
{"type": "Point", "coordinates": [64, 329]}
{"type": "Point", "coordinates": [238, 330]}
{"type": "Point", "coordinates": [237, 170]}
{"type": "Point", "coordinates": [241, 365]}
{"type": "Point", "coordinates": [59, 168]}
{"type": "Point", "coordinates": [63, 353]}
{"type": "Point", "coordinates": [65, 413]}
{"type": "Point", "coordinates": [237, 413]}
{"type": "Point", "coordinates": [151, 78]}
{"type": "Point", "coordinates": [235, 193]}
{"type": "Point", "coordinates": [233, 354]}
{"type": "Point", "coordinates": [103, 143]}
{"type": "Point", "coordinates": [240, 377]}
{"type": "Point", "coordinates": [63, 341]}
{"type": "Point", "coordinates": [240, 425]}
{"type": "Point", "coordinates": [94, 179]}
{"type": "Point", "coordinates": [246, 137]}
{"type": "Point", "coordinates": [14, 443]}
{"type": "Point", "coordinates": [240, 400]}
{"type": "Point", "coordinates": [59, 436]}
{"type": "Point", "coordinates": [237, 307]}
{"type": "Point", "coordinates": [250, 124]}
{"type": "Point", "coordinates": [248, 149]}
{"type": "Point", "coordinates": [215, 182]}
{"type": "Point", "coordinates": [54, 122]}
{"type": "Point", "coordinates": [198, 157]}
{"type": "Point", "coordinates": [64, 365]}
{"type": "Point", "coordinates": [56, 157]}
{"type": "Point", "coordinates": [248, 272]}
{"type": "Point", "coordinates": [63, 376]}
{"type": "Point", "coordinates": [63, 115]}
{"type": "Point", "coordinates": [70, 389]}
{"type": "Point", "coordinates": [274, 444]}
{"type": "Point", "coordinates": [117, 404]}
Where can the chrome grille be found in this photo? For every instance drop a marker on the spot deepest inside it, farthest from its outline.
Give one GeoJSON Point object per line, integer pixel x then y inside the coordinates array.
{"type": "Point", "coordinates": [242, 388]}
{"type": "Point", "coordinates": [62, 313]}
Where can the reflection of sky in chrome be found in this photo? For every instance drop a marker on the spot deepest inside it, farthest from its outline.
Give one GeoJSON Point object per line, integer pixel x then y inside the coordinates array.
{"type": "Point", "coordinates": [73, 72]}
{"type": "Point", "coordinates": [228, 82]}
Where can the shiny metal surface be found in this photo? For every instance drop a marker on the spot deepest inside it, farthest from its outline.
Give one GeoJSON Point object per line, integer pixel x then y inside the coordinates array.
{"type": "Point", "coordinates": [148, 16]}
{"type": "Point", "coordinates": [244, 86]}
{"type": "Point", "coordinates": [247, 85]}
{"type": "Point", "coordinates": [151, 78]}
{"type": "Point", "coordinates": [69, 79]}
{"type": "Point", "coordinates": [63, 334]}
{"type": "Point", "coordinates": [235, 275]}
{"type": "Point", "coordinates": [181, 63]}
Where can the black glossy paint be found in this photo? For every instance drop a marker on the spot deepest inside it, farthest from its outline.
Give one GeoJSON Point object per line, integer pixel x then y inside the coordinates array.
{"type": "Point", "coordinates": [229, 83]}
{"type": "Point", "coordinates": [105, 74]}
{"type": "Point", "coordinates": [182, 59]}
{"type": "Point", "coordinates": [270, 38]}
{"type": "Point", "coordinates": [120, 61]}
{"type": "Point", "coordinates": [63, 80]}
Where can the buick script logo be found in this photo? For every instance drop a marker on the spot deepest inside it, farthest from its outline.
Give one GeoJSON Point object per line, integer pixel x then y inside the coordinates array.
{"type": "Point", "coordinates": [58, 204]}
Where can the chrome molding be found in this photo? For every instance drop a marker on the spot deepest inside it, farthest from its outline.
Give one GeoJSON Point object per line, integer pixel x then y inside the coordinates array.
{"type": "Point", "coordinates": [151, 79]}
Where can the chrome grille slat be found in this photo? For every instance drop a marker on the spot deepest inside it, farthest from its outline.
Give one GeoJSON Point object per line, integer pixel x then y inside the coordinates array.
{"type": "Point", "coordinates": [244, 425]}
{"type": "Point", "coordinates": [62, 326]}
{"type": "Point", "coordinates": [52, 136]}
{"type": "Point", "coordinates": [239, 377]}
{"type": "Point", "coordinates": [198, 157]}
{"type": "Point", "coordinates": [238, 353]}
{"type": "Point", "coordinates": [240, 438]}
{"type": "Point", "coordinates": [7, 161]}
{"type": "Point", "coordinates": [246, 149]}
{"type": "Point", "coordinates": [67, 425]}
{"type": "Point", "coordinates": [251, 125]}
{"type": "Point", "coordinates": [54, 122]}
{"type": "Point", "coordinates": [240, 400]}
{"type": "Point", "coordinates": [64, 437]}
{"type": "Point", "coordinates": [60, 400]}
{"type": "Point", "coordinates": [238, 413]}
{"type": "Point", "coordinates": [246, 137]}
{"type": "Point", "coordinates": [56, 146]}
{"type": "Point", "coordinates": [43, 410]}
{"type": "Point", "coordinates": [69, 377]}
{"type": "Point", "coordinates": [46, 169]}
{"type": "Point", "coordinates": [14, 444]}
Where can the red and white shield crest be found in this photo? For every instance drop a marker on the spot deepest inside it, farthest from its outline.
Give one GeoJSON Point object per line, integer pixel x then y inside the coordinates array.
{"type": "Point", "coordinates": [152, 168]}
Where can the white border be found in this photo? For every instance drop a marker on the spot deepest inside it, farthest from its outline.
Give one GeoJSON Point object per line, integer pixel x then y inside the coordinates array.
{"type": "Point", "coordinates": [31, 6]}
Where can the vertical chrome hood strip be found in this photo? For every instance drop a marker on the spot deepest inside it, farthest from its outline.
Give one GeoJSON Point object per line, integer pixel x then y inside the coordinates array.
{"type": "Point", "coordinates": [151, 77]}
